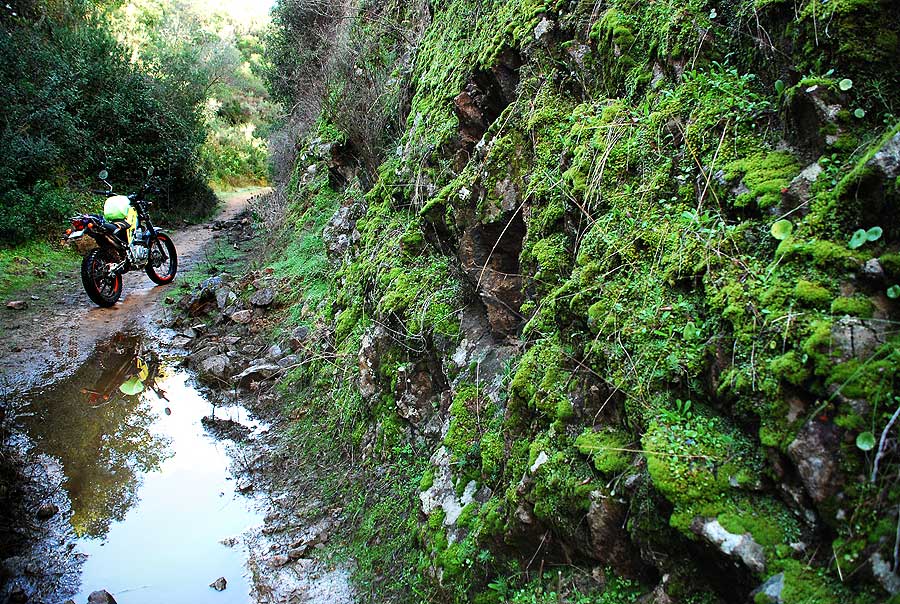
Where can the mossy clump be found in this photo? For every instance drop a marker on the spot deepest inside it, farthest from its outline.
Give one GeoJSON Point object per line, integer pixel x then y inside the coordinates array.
{"type": "Point", "coordinates": [855, 306]}
{"type": "Point", "coordinates": [764, 175]}
{"type": "Point", "coordinates": [812, 294]}
{"type": "Point", "coordinates": [609, 450]}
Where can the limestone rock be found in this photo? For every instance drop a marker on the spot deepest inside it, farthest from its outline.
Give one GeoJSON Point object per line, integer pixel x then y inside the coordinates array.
{"type": "Point", "coordinates": [770, 591]}
{"type": "Point", "coordinates": [609, 540]}
{"type": "Point", "coordinates": [815, 451]}
{"type": "Point", "coordinates": [263, 297]}
{"type": "Point", "coordinates": [225, 298]}
{"type": "Point", "coordinates": [873, 270]}
{"type": "Point", "coordinates": [340, 233]}
{"type": "Point", "coordinates": [101, 597]}
{"type": "Point", "coordinates": [857, 338]}
{"type": "Point", "coordinates": [442, 492]}
{"type": "Point", "coordinates": [414, 392]}
{"type": "Point", "coordinates": [216, 366]}
{"type": "Point", "coordinates": [889, 579]}
{"type": "Point", "coordinates": [887, 159]}
{"type": "Point", "coordinates": [740, 547]}
{"type": "Point", "coordinates": [242, 316]}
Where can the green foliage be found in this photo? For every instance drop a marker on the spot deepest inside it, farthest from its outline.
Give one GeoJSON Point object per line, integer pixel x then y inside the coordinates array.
{"type": "Point", "coordinates": [862, 236]}
{"type": "Point", "coordinates": [75, 102]}
{"type": "Point", "coordinates": [782, 229]}
{"type": "Point", "coordinates": [865, 441]}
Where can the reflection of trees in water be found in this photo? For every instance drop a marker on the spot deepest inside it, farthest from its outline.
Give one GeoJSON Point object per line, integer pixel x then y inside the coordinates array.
{"type": "Point", "coordinates": [102, 437]}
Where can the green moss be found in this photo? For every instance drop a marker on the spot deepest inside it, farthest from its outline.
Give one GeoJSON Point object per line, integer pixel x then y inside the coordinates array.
{"type": "Point", "coordinates": [540, 383]}
{"type": "Point", "coordinates": [607, 449]}
{"type": "Point", "coordinates": [765, 175]}
{"type": "Point", "coordinates": [812, 294]}
{"type": "Point", "coordinates": [790, 367]}
{"type": "Point", "coordinates": [463, 433]}
{"type": "Point", "coordinates": [427, 479]}
{"type": "Point", "coordinates": [891, 263]}
{"type": "Point", "coordinates": [856, 306]}
{"type": "Point", "coordinates": [492, 453]}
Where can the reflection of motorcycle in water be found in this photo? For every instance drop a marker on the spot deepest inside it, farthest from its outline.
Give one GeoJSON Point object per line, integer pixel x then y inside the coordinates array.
{"type": "Point", "coordinates": [129, 373]}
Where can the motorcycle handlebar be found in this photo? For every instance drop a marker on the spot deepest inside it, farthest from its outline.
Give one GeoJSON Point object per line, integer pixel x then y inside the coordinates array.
{"type": "Point", "coordinates": [99, 192]}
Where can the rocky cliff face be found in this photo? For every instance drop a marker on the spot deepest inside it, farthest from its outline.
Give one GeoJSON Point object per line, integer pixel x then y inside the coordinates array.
{"type": "Point", "coordinates": [615, 318]}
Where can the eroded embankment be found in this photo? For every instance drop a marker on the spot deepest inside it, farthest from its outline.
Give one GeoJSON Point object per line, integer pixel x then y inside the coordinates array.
{"type": "Point", "coordinates": [613, 314]}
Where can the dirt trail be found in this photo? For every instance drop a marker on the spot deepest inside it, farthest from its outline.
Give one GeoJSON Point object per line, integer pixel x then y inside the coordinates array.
{"type": "Point", "coordinates": [45, 343]}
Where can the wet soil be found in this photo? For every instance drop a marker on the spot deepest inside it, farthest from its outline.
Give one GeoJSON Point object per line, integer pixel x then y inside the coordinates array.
{"type": "Point", "coordinates": [151, 496]}
{"type": "Point", "coordinates": [43, 343]}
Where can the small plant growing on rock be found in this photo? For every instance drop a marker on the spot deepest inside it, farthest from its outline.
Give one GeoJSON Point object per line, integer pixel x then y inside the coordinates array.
{"type": "Point", "coordinates": [862, 236]}
{"type": "Point", "coordinates": [782, 229]}
{"type": "Point", "coordinates": [865, 441]}
{"type": "Point", "coordinates": [893, 292]}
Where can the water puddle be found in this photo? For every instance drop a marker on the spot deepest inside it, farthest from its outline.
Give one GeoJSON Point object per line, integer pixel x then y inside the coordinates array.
{"type": "Point", "coordinates": [151, 496]}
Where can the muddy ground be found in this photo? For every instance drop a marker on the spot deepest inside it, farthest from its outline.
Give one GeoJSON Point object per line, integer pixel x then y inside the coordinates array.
{"type": "Point", "coordinates": [55, 335]}
{"type": "Point", "coordinates": [49, 342]}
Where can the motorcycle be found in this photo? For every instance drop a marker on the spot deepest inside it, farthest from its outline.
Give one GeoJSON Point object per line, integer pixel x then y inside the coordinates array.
{"type": "Point", "coordinates": [126, 241]}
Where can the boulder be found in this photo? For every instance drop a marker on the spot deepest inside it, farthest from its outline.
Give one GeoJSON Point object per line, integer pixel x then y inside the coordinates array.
{"type": "Point", "coordinates": [274, 353]}
{"type": "Point", "coordinates": [298, 336]}
{"type": "Point", "coordinates": [770, 591]}
{"type": "Point", "coordinates": [291, 360]}
{"type": "Point", "coordinates": [216, 366]}
{"type": "Point", "coordinates": [873, 270]}
{"type": "Point", "coordinates": [414, 392]}
{"type": "Point", "coordinates": [219, 584]}
{"type": "Point", "coordinates": [225, 298]}
{"type": "Point", "coordinates": [857, 338]}
{"type": "Point", "coordinates": [740, 547]}
{"type": "Point", "coordinates": [887, 159]}
{"type": "Point", "coordinates": [816, 454]}
{"type": "Point", "coordinates": [101, 597]}
{"type": "Point", "coordinates": [263, 297]}
{"type": "Point", "coordinates": [609, 541]}
{"type": "Point", "coordinates": [243, 317]}
{"type": "Point", "coordinates": [340, 233]}
{"type": "Point", "coordinates": [888, 578]}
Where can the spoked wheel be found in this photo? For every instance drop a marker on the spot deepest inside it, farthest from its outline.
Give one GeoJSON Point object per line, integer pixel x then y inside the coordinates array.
{"type": "Point", "coordinates": [102, 287]}
{"type": "Point", "coordinates": [163, 262]}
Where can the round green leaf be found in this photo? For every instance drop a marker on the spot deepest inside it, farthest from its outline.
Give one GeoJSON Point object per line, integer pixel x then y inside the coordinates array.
{"type": "Point", "coordinates": [782, 229]}
{"type": "Point", "coordinates": [845, 84]}
{"type": "Point", "coordinates": [865, 441]}
{"type": "Point", "coordinates": [779, 86]}
{"type": "Point", "coordinates": [690, 331]}
{"type": "Point", "coordinates": [893, 292]}
{"type": "Point", "coordinates": [874, 234]}
{"type": "Point", "coordinates": [860, 113]}
{"type": "Point", "coordinates": [132, 387]}
{"type": "Point", "coordinates": [858, 239]}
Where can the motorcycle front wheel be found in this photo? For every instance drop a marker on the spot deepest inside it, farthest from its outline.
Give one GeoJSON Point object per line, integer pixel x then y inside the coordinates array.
{"type": "Point", "coordinates": [163, 262]}
{"type": "Point", "coordinates": [102, 288]}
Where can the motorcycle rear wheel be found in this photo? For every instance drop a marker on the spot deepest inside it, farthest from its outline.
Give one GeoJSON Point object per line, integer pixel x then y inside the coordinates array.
{"type": "Point", "coordinates": [103, 289]}
{"type": "Point", "coordinates": [163, 262]}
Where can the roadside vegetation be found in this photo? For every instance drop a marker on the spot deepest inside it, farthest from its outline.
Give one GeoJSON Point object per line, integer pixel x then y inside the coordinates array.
{"type": "Point", "coordinates": [587, 299]}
